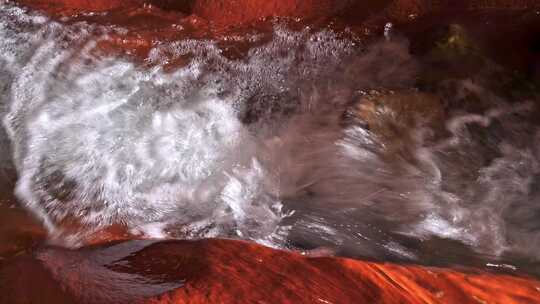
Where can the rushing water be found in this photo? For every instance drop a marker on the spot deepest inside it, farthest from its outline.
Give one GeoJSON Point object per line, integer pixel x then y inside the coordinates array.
{"type": "Point", "coordinates": [269, 147]}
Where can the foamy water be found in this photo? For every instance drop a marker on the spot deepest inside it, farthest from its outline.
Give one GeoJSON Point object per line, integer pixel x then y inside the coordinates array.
{"type": "Point", "coordinates": [257, 148]}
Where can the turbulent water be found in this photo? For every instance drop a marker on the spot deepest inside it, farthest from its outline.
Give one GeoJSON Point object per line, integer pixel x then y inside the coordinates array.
{"type": "Point", "coordinates": [265, 148]}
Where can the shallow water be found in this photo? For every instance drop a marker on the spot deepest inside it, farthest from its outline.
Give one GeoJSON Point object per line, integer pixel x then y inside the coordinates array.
{"type": "Point", "coordinates": [282, 147]}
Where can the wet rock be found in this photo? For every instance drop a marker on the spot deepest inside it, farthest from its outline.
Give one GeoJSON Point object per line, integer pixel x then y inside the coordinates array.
{"type": "Point", "coordinates": [152, 21]}
{"type": "Point", "coordinates": [233, 13]}
{"type": "Point", "coordinates": [37, 285]}
{"type": "Point", "coordinates": [70, 7]}
{"type": "Point", "coordinates": [453, 55]}
{"type": "Point", "coordinates": [407, 10]}
{"type": "Point", "coordinates": [502, 4]}
{"type": "Point", "coordinates": [394, 116]}
{"type": "Point", "coordinates": [226, 271]}
{"type": "Point", "coordinates": [219, 12]}
{"type": "Point", "coordinates": [224, 12]}
{"type": "Point", "coordinates": [456, 42]}
{"type": "Point", "coordinates": [19, 232]}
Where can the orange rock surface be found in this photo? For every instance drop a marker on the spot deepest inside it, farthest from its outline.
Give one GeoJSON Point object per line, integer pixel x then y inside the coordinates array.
{"type": "Point", "coordinates": [235, 11]}
{"type": "Point", "coordinates": [219, 11]}
{"type": "Point", "coordinates": [68, 7]}
{"type": "Point", "coordinates": [226, 271]}
{"type": "Point", "coordinates": [228, 12]}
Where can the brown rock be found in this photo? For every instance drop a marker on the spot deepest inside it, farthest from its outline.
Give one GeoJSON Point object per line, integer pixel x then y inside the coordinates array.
{"type": "Point", "coordinates": [407, 10]}
{"type": "Point", "coordinates": [394, 116]}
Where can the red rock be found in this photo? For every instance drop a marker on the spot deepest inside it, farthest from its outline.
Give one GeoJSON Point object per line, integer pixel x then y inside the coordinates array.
{"type": "Point", "coordinates": [226, 271]}
{"type": "Point", "coordinates": [69, 7]}
{"type": "Point", "coordinates": [235, 12]}
{"type": "Point", "coordinates": [152, 21]}
{"type": "Point", "coordinates": [19, 232]}
{"type": "Point", "coordinates": [221, 12]}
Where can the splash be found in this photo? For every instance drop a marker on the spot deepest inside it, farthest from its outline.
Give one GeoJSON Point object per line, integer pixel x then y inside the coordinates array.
{"type": "Point", "coordinates": [102, 142]}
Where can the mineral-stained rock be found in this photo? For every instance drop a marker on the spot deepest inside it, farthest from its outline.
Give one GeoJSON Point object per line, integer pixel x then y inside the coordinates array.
{"type": "Point", "coordinates": [236, 12]}
{"type": "Point", "coordinates": [152, 21]}
{"type": "Point", "coordinates": [241, 11]}
{"type": "Point", "coordinates": [221, 12]}
{"type": "Point", "coordinates": [68, 7]}
{"type": "Point", "coordinates": [226, 271]}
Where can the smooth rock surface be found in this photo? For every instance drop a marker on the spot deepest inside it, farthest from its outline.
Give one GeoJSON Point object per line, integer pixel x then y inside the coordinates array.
{"type": "Point", "coordinates": [227, 271]}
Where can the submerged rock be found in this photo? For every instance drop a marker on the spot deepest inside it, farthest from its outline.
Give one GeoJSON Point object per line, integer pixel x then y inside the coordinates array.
{"type": "Point", "coordinates": [394, 116]}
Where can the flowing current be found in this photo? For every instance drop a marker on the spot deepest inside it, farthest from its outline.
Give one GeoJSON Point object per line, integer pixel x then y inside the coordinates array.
{"type": "Point", "coordinates": [283, 147]}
